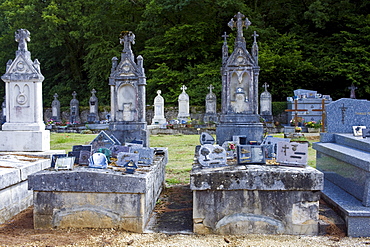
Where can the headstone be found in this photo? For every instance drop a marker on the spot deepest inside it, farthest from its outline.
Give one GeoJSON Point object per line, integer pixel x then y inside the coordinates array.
{"type": "Point", "coordinates": [55, 109]}
{"type": "Point", "coordinates": [159, 110]}
{"type": "Point", "coordinates": [183, 115]}
{"type": "Point", "coordinates": [102, 140]}
{"type": "Point", "coordinates": [266, 104]}
{"type": "Point", "coordinates": [309, 102]}
{"type": "Point", "coordinates": [239, 101]}
{"type": "Point", "coordinates": [250, 154]}
{"type": "Point", "coordinates": [206, 138]}
{"type": "Point", "coordinates": [211, 155]}
{"type": "Point", "coordinates": [3, 112]}
{"type": "Point", "coordinates": [74, 110]}
{"type": "Point", "coordinates": [345, 113]}
{"type": "Point", "coordinates": [292, 153]}
{"type": "Point", "coordinates": [98, 160]}
{"type": "Point", "coordinates": [127, 81]}
{"type": "Point", "coordinates": [24, 129]}
{"type": "Point", "coordinates": [93, 116]}
{"type": "Point", "coordinates": [211, 107]}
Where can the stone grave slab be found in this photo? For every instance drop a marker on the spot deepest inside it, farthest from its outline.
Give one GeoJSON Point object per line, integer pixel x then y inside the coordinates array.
{"type": "Point", "coordinates": [292, 153]}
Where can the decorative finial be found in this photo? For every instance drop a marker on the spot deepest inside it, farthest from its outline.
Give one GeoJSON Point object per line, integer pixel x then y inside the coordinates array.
{"type": "Point", "coordinates": [159, 92]}
{"type": "Point", "coordinates": [239, 24]}
{"type": "Point", "coordinates": [183, 88]}
{"type": "Point", "coordinates": [93, 92]}
{"type": "Point", "coordinates": [255, 35]}
{"type": "Point", "coordinates": [126, 38]}
{"type": "Point", "coordinates": [55, 96]}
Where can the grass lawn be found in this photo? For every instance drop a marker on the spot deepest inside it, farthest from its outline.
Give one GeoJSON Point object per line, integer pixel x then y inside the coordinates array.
{"type": "Point", "coordinates": [180, 148]}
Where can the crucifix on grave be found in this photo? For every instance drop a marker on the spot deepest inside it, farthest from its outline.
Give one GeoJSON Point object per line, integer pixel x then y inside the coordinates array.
{"type": "Point", "coordinates": [265, 85]}
{"type": "Point", "coordinates": [323, 114]}
{"type": "Point", "coordinates": [296, 110]}
{"type": "Point", "coordinates": [239, 24]}
{"type": "Point", "coordinates": [353, 94]}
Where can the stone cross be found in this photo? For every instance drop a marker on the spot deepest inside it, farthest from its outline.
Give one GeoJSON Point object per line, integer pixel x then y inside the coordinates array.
{"type": "Point", "coordinates": [343, 109]}
{"type": "Point", "coordinates": [93, 92]}
{"type": "Point", "coordinates": [210, 88]}
{"type": "Point", "coordinates": [183, 88]}
{"type": "Point", "coordinates": [225, 36]}
{"type": "Point", "coordinates": [255, 35]}
{"type": "Point", "coordinates": [295, 110]}
{"type": "Point", "coordinates": [55, 96]}
{"type": "Point", "coordinates": [265, 85]}
{"type": "Point", "coordinates": [22, 36]}
{"type": "Point", "coordinates": [74, 94]}
{"type": "Point", "coordinates": [353, 94]}
{"type": "Point", "coordinates": [239, 24]}
{"type": "Point", "coordinates": [285, 148]}
{"type": "Point", "coordinates": [126, 38]}
{"type": "Point", "coordinates": [159, 92]}
{"type": "Point", "coordinates": [323, 114]}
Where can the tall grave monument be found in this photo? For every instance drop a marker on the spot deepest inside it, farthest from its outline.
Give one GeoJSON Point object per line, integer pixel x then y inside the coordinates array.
{"type": "Point", "coordinates": [159, 110]}
{"type": "Point", "coordinates": [183, 115]}
{"type": "Point", "coordinates": [211, 107]}
{"type": "Point", "coordinates": [74, 109]}
{"type": "Point", "coordinates": [266, 104]}
{"type": "Point", "coordinates": [239, 71]}
{"type": "Point", "coordinates": [55, 109]}
{"type": "Point", "coordinates": [94, 108]}
{"type": "Point", "coordinates": [127, 81]}
{"type": "Point", "coordinates": [24, 129]}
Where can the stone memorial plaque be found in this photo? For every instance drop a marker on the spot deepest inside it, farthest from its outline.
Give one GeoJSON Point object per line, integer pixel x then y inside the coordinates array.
{"type": "Point", "coordinates": [132, 144]}
{"type": "Point", "coordinates": [292, 153]}
{"type": "Point", "coordinates": [123, 158]}
{"type": "Point", "coordinates": [206, 138]}
{"type": "Point", "coordinates": [82, 148]}
{"type": "Point", "coordinates": [54, 157]}
{"type": "Point", "coordinates": [103, 140]}
{"type": "Point", "coordinates": [98, 160]}
{"type": "Point", "coordinates": [64, 163]}
{"type": "Point", "coordinates": [75, 154]}
{"type": "Point", "coordinates": [251, 154]}
{"type": "Point", "coordinates": [270, 144]}
{"type": "Point", "coordinates": [357, 130]}
{"type": "Point", "coordinates": [146, 155]}
{"type": "Point", "coordinates": [116, 149]}
{"type": "Point", "coordinates": [84, 158]}
{"type": "Point", "coordinates": [211, 156]}
{"type": "Point", "coordinates": [343, 114]}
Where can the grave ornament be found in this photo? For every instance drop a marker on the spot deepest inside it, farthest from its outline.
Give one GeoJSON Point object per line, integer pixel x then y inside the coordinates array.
{"type": "Point", "coordinates": [98, 160]}
{"type": "Point", "coordinates": [250, 154]}
{"type": "Point", "coordinates": [292, 154]}
{"type": "Point", "coordinates": [206, 138]}
{"type": "Point", "coordinates": [211, 155]}
{"type": "Point", "coordinates": [183, 100]}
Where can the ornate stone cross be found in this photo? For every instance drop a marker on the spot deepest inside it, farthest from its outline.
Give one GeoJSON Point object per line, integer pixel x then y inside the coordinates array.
{"type": "Point", "coordinates": [183, 88]}
{"type": "Point", "coordinates": [22, 36]}
{"type": "Point", "coordinates": [255, 35]}
{"type": "Point", "coordinates": [93, 92]}
{"type": "Point", "coordinates": [225, 36]}
{"type": "Point", "coordinates": [239, 24]}
{"type": "Point", "coordinates": [353, 94]}
{"type": "Point", "coordinates": [126, 38]}
{"type": "Point", "coordinates": [159, 92]}
{"type": "Point", "coordinates": [210, 88]}
{"type": "Point", "coordinates": [74, 94]}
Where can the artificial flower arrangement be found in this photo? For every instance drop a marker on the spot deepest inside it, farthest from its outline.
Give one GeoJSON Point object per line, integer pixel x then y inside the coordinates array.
{"type": "Point", "coordinates": [313, 124]}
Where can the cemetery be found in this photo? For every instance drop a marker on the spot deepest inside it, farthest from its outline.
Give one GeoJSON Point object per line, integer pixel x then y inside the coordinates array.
{"type": "Point", "coordinates": [241, 179]}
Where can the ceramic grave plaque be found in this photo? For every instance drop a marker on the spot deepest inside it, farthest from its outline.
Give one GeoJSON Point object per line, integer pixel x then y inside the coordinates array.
{"type": "Point", "coordinates": [103, 140]}
{"type": "Point", "coordinates": [206, 138]}
{"type": "Point", "coordinates": [98, 160]}
{"type": "Point", "coordinates": [230, 148]}
{"type": "Point", "coordinates": [130, 167]}
{"type": "Point", "coordinates": [64, 163]}
{"type": "Point", "coordinates": [54, 157]}
{"type": "Point", "coordinates": [252, 154]}
{"type": "Point", "coordinates": [116, 149]}
{"type": "Point", "coordinates": [146, 155]}
{"type": "Point", "coordinates": [270, 144]}
{"type": "Point", "coordinates": [84, 157]}
{"type": "Point", "coordinates": [211, 155]}
{"type": "Point", "coordinates": [292, 153]}
{"type": "Point", "coordinates": [76, 155]}
{"type": "Point", "coordinates": [123, 158]}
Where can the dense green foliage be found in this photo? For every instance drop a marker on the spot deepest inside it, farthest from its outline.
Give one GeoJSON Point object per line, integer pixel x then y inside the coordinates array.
{"type": "Point", "coordinates": [313, 44]}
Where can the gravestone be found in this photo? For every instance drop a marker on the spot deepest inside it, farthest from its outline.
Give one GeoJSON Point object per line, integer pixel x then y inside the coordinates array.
{"type": "Point", "coordinates": [24, 129]}
{"type": "Point", "coordinates": [211, 107]}
{"type": "Point", "coordinates": [310, 101]}
{"type": "Point", "coordinates": [183, 115]}
{"type": "Point", "coordinates": [266, 105]}
{"type": "Point", "coordinates": [345, 161]}
{"type": "Point", "coordinates": [239, 102]}
{"type": "Point", "coordinates": [127, 81]}
{"type": "Point", "coordinates": [159, 110]}
{"type": "Point", "coordinates": [93, 116]}
{"type": "Point", "coordinates": [3, 112]}
{"type": "Point", "coordinates": [55, 109]}
{"type": "Point", "coordinates": [74, 104]}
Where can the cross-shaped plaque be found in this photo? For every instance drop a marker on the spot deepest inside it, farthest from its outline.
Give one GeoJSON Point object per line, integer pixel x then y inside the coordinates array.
{"type": "Point", "coordinates": [295, 110]}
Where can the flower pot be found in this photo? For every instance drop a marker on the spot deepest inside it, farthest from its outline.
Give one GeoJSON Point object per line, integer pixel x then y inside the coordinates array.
{"type": "Point", "coordinates": [313, 130]}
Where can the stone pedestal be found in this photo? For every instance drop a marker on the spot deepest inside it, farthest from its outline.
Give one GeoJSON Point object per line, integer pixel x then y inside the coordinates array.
{"type": "Point", "coordinates": [256, 199]}
{"type": "Point", "coordinates": [345, 161]}
{"type": "Point", "coordinates": [97, 198]}
{"type": "Point", "coordinates": [27, 141]}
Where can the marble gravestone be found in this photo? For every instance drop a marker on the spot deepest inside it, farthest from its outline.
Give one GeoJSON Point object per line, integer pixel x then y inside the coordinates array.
{"type": "Point", "coordinates": [93, 116]}
{"type": "Point", "coordinates": [74, 104]}
{"type": "Point", "coordinates": [55, 109]}
{"type": "Point", "coordinates": [159, 110]}
{"type": "Point", "coordinates": [183, 115]}
{"type": "Point", "coordinates": [239, 102]}
{"type": "Point", "coordinates": [211, 107]}
{"type": "Point", "coordinates": [24, 129]}
{"type": "Point", "coordinates": [128, 82]}
{"type": "Point", "coordinates": [345, 161]}
{"type": "Point", "coordinates": [266, 105]}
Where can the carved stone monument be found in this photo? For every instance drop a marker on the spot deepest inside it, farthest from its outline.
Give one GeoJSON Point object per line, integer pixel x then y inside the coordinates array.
{"type": "Point", "coordinates": [183, 115]}
{"type": "Point", "coordinates": [24, 129]}
{"type": "Point", "coordinates": [159, 110]}
{"type": "Point", "coordinates": [211, 107]}
{"type": "Point", "coordinates": [55, 109]}
{"type": "Point", "coordinates": [74, 109]}
{"type": "Point", "coordinates": [266, 104]}
{"type": "Point", "coordinates": [94, 108]}
{"type": "Point", "coordinates": [127, 81]}
{"type": "Point", "coordinates": [239, 102]}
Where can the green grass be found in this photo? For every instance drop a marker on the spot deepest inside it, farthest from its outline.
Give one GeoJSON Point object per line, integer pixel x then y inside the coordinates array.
{"type": "Point", "coordinates": [180, 149]}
